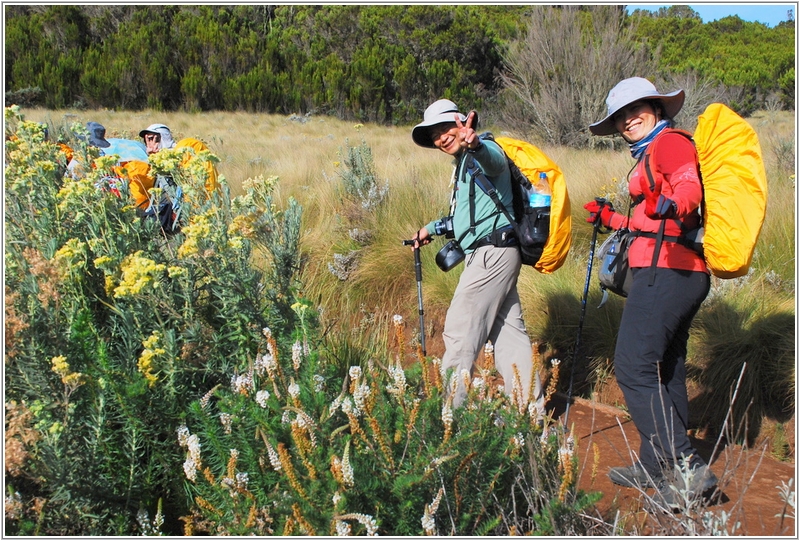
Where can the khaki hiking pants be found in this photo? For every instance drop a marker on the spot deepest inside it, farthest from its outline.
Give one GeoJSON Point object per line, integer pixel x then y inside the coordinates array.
{"type": "Point", "coordinates": [486, 306]}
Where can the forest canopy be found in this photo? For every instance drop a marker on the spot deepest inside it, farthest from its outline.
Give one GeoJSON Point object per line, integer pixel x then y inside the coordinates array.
{"type": "Point", "coordinates": [369, 63]}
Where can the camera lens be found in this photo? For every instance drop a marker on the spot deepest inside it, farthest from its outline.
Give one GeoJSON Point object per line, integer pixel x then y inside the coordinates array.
{"type": "Point", "coordinates": [447, 223]}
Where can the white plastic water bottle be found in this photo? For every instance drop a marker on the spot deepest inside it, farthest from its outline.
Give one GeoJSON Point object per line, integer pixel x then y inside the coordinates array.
{"type": "Point", "coordinates": [540, 194]}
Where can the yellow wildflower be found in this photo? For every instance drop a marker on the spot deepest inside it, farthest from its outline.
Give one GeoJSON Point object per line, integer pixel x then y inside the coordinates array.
{"type": "Point", "coordinates": [177, 272]}
{"type": "Point", "coordinates": [105, 162]}
{"type": "Point", "coordinates": [242, 226]}
{"type": "Point", "coordinates": [139, 275]}
{"type": "Point", "coordinates": [102, 261]}
{"type": "Point", "coordinates": [73, 380]}
{"type": "Point", "coordinates": [235, 243]}
{"type": "Point", "coordinates": [167, 161]}
{"type": "Point", "coordinates": [46, 165]}
{"type": "Point", "coordinates": [200, 227]}
{"type": "Point", "coordinates": [71, 251]}
{"type": "Point", "coordinates": [60, 365]}
{"type": "Point", "coordinates": [75, 194]}
{"type": "Point", "coordinates": [188, 248]}
{"type": "Point", "coordinates": [299, 308]}
{"type": "Point", "coordinates": [110, 285]}
{"type": "Point", "coordinates": [150, 352]}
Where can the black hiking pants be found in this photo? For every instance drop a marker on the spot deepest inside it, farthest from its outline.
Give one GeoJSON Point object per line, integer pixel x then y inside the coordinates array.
{"type": "Point", "coordinates": [650, 361]}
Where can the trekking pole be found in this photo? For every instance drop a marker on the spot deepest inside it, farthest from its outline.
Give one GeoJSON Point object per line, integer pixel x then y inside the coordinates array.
{"type": "Point", "coordinates": [595, 227]}
{"type": "Point", "coordinates": [418, 270]}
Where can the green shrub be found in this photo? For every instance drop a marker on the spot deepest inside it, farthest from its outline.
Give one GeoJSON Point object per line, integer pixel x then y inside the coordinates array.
{"type": "Point", "coordinates": [155, 379]}
{"type": "Point", "coordinates": [113, 328]}
{"type": "Point", "coordinates": [305, 446]}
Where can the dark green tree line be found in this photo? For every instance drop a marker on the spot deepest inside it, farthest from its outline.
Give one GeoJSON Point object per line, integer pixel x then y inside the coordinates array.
{"type": "Point", "coordinates": [367, 63]}
{"type": "Point", "coordinates": [371, 63]}
{"type": "Point", "coordinates": [751, 56]}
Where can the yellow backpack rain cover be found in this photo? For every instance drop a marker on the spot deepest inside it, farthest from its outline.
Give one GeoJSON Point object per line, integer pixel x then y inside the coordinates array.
{"type": "Point", "coordinates": [734, 190]}
{"type": "Point", "coordinates": [140, 181]}
{"type": "Point", "coordinates": [531, 161]}
{"type": "Point", "coordinates": [198, 146]}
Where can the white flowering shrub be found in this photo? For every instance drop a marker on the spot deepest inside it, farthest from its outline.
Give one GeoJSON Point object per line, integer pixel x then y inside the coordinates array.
{"type": "Point", "coordinates": [372, 449]}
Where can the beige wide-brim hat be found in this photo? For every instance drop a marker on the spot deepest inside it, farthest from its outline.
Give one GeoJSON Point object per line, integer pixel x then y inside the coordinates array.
{"type": "Point", "coordinates": [439, 112]}
{"type": "Point", "coordinates": [634, 89]}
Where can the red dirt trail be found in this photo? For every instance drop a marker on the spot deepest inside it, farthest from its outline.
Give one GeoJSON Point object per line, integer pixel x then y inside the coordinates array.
{"type": "Point", "coordinates": [748, 477]}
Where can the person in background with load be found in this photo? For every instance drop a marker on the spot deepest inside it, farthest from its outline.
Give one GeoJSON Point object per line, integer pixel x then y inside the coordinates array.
{"type": "Point", "coordinates": [95, 138]}
{"type": "Point", "coordinates": [158, 137]}
{"type": "Point", "coordinates": [125, 151]}
{"type": "Point", "coordinates": [670, 282]}
{"type": "Point", "coordinates": [486, 305]}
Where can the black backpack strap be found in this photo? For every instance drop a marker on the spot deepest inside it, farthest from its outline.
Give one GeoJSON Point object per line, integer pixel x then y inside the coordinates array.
{"type": "Point", "coordinates": [479, 177]}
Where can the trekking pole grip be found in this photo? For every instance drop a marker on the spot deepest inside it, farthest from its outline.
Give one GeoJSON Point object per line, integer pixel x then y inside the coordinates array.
{"type": "Point", "coordinates": [598, 223]}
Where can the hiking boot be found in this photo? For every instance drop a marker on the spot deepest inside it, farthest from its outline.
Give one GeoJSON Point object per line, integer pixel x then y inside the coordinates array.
{"type": "Point", "coordinates": [631, 476]}
{"type": "Point", "coordinates": [683, 487]}
{"type": "Point", "coordinates": [667, 494]}
{"type": "Point", "coordinates": [700, 479]}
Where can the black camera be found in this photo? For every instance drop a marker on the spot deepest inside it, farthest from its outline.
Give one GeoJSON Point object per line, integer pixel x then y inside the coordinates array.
{"type": "Point", "coordinates": [445, 225]}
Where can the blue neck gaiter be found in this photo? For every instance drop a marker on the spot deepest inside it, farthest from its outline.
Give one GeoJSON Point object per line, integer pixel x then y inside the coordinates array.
{"type": "Point", "coordinates": [638, 148]}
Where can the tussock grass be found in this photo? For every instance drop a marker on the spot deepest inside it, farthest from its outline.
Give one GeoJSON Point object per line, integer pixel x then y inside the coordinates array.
{"type": "Point", "coordinates": [746, 320]}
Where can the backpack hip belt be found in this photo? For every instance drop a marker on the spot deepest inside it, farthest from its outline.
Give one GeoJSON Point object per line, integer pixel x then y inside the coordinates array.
{"type": "Point", "coordinates": [500, 238]}
{"type": "Point", "coordinates": [691, 239]}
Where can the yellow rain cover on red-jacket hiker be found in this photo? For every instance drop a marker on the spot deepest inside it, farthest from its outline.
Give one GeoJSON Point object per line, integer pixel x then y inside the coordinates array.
{"type": "Point", "coordinates": [734, 189]}
{"type": "Point", "coordinates": [531, 161]}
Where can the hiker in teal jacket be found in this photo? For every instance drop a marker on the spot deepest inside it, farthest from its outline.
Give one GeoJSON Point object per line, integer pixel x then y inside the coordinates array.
{"type": "Point", "coordinates": [486, 303]}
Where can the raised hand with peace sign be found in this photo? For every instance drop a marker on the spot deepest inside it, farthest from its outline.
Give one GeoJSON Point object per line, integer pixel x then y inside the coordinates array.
{"type": "Point", "coordinates": [466, 132]}
{"type": "Point", "coordinates": [457, 136]}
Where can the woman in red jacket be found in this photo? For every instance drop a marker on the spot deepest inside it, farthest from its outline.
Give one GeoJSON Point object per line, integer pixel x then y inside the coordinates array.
{"type": "Point", "coordinates": [670, 282]}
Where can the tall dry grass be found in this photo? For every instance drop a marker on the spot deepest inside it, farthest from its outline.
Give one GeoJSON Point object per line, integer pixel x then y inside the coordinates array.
{"type": "Point", "coordinates": [307, 155]}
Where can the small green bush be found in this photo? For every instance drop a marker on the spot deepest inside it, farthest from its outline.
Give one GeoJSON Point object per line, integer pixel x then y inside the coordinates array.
{"type": "Point", "coordinates": [297, 447]}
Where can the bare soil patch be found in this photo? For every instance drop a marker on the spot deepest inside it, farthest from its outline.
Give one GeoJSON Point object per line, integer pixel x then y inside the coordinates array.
{"type": "Point", "coordinates": [748, 477]}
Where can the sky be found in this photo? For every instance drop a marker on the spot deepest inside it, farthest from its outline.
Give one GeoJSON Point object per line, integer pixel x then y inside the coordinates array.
{"type": "Point", "coordinates": [769, 14]}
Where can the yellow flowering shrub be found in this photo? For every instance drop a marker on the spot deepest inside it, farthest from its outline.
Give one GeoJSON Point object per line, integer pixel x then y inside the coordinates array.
{"type": "Point", "coordinates": [152, 351]}
{"type": "Point", "coordinates": [139, 275]}
{"type": "Point", "coordinates": [116, 354]}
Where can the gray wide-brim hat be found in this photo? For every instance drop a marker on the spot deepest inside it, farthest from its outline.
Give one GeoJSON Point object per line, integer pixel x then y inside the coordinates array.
{"type": "Point", "coordinates": [160, 129]}
{"type": "Point", "coordinates": [634, 89]}
{"type": "Point", "coordinates": [439, 112]}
